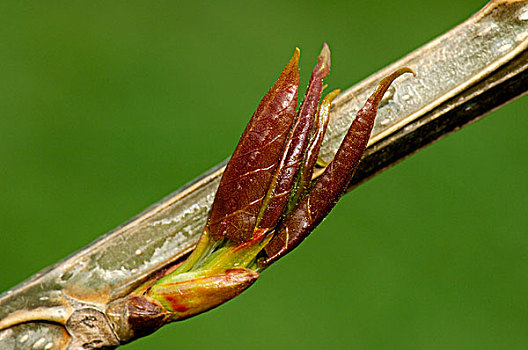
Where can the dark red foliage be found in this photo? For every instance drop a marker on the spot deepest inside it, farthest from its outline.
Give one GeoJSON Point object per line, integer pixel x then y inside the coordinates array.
{"type": "Point", "coordinates": [296, 145]}
{"type": "Point", "coordinates": [333, 182]}
{"type": "Point", "coordinates": [249, 173]}
{"type": "Point", "coordinates": [276, 146]}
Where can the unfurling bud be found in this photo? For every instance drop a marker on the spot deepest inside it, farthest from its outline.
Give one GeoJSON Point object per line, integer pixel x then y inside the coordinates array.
{"type": "Point", "coordinates": [267, 202]}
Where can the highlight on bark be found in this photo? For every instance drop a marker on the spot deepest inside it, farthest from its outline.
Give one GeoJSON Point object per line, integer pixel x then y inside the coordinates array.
{"type": "Point", "coordinates": [266, 203]}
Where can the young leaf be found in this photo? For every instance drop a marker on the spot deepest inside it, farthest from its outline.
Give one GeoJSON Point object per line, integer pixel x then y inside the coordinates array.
{"type": "Point", "coordinates": [249, 173]}
{"type": "Point", "coordinates": [329, 187]}
{"type": "Point", "coordinates": [295, 148]}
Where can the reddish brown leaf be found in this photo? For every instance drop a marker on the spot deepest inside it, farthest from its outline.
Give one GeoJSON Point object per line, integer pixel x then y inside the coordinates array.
{"type": "Point", "coordinates": [248, 174]}
{"type": "Point", "coordinates": [333, 182]}
{"type": "Point", "coordinates": [295, 148]}
{"type": "Point", "coordinates": [312, 153]}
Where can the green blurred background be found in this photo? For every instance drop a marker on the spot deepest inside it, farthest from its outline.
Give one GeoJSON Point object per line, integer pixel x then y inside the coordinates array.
{"type": "Point", "coordinates": [107, 106]}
